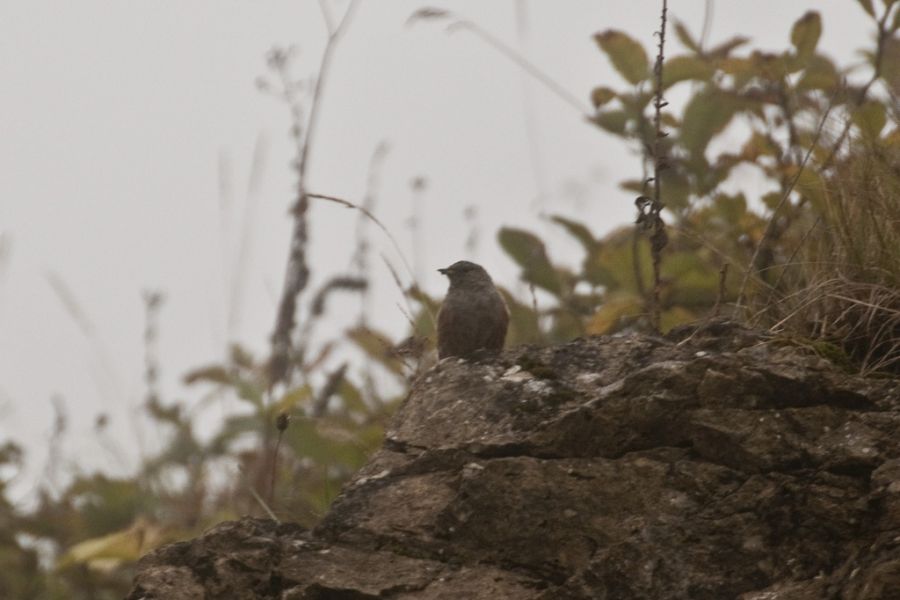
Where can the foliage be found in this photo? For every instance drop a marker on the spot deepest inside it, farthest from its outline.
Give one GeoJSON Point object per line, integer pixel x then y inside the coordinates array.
{"type": "Point", "coordinates": [817, 253]}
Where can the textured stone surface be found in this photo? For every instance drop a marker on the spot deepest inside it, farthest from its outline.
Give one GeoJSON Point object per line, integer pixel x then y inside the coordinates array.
{"type": "Point", "coordinates": [707, 465]}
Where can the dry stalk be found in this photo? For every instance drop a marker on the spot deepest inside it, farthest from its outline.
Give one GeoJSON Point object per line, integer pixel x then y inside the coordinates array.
{"type": "Point", "coordinates": [495, 43]}
{"type": "Point", "coordinates": [649, 220]}
{"type": "Point", "coordinates": [785, 196]}
{"type": "Point", "coordinates": [297, 273]}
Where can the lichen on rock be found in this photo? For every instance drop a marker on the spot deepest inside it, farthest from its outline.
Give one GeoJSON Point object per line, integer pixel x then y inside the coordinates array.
{"type": "Point", "coordinates": [713, 463]}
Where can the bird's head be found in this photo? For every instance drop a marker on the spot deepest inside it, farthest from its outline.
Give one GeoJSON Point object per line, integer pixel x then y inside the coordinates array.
{"type": "Point", "coordinates": [465, 273]}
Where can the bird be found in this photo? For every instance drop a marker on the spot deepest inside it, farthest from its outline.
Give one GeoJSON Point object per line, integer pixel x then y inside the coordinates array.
{"type": "Point", "coordinates": [473, 316]}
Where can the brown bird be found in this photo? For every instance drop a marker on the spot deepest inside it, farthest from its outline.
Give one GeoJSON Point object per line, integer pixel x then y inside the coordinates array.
{"type": "Point", "coordinates": [473, 316]}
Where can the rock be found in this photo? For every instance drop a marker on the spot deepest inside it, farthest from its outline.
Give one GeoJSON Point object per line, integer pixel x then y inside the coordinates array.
{"type": "Point", "coordinates": [714, 463]}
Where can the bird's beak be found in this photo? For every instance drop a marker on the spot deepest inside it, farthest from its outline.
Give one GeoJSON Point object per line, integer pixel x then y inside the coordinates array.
{"type": "Point", "coordinates": [442, 271]}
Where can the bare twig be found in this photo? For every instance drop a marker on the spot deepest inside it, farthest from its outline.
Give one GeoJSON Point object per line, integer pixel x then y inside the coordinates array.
{"type": "Point", "coordinates": [262, 503]}
{"type": "Point", "coordinates": [720, 297]}
{"type": "Point", "coordinates": [334, 36]}
{"type": "Point", "coordinates": [506, 51]}
{"type": "Point", "coordinates": [327, 16]}
{"type": "Point", "coordinates": [152, 302]}
{"type": "Point", "coordinates": [297, 275]}
{"type": "Point", "coordinates": [787, 264]}
{"type": "Point", "coordinates": [649, 209]}
{"type": "Point", "coordinates": [281, 424]}
{"type": "Point", "coordinates": [374, 219]}
{"type": "Point", "coordinates": [407, 312]}
{"type": "Point", "coordinates": [707, 24]}
{"type": "Point", "coordinates": [360, 259]}
{"type": "Point", "coordinates": [534, 308]}
{"type": "Point", "coordinates": [335, 378]}
{"type": "Point", "coordinates": [245, 244]}
{"type": "Point", "coordinates": [538, 168]}
{"type": "Point", "coordinates": [883, 36]}
{"type": "Point", "coordinates": [784, 198]}
{"type": "Point", "coordinates": [418, 187]}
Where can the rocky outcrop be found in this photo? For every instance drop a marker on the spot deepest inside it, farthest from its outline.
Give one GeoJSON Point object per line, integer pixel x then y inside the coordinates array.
{"type": "Point", "coordinates": [711, 464]}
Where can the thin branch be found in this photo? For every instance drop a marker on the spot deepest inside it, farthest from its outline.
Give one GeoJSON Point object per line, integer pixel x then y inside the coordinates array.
{"type": "Point", "coordinates": [883, 36]}
{"type": "Point", "coordinates": [326, 16]}
{"type": "Point", "coordinates": [720, 297]}
{"type": "Point", "coordinates": [374, 219]}
{"type": "Point", "coordinates": [297, 272]}
{"type": "Point", "coordinates": [658, 104]}
{"type": "Point", "coordinates": [334, 37]}
{"type": "Point", "coordinates": [649, 209]}
{"type": "Point", "coordinates": [509, 53]}
{"type": "Point", "coordinates": [263, 504]}
{"type": "Point", "coordinates": [707, 24]}
{"type": "Point", "coordinates": [532, 133]}
{"type": "Point", "coordinates": [784, 198]}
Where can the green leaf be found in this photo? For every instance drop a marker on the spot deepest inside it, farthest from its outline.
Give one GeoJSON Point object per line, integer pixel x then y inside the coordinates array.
{"type": "Point", "coordinates": [805, 34]}
{"type": "Point", "coordinates": [683, 68]}
{"type": "Point", "coordinates": [772, 199]}
{"type": "Point", "coordinates": [627, 56]}
{"type": "Point", "coordinates": [685, 37]}
{"type": "Point", "coordinates": [612, 263]}
{"type": "Point", "coordinates": [377, 346]}
{"type": "Point", "coordinates": [707, 114]}
{"type": "Point", "coordinates": [613, 121]}
{"type": "Point", "coordinates": [812, 186]}
{"type": "Point", "coordinates": [211, 374]}
{"type": "Point", "coordinates": [613, 311]}
{"type": "Point", "coordinates": [523, 322]}
{"type": "Point", "coordinates": [695, 282]}
{"type": "Point", "coordinates": [352, 397]}
{"type": "Point", "coordinates": [332, 440]}
{"type": "Point", "coordinates": [528, 251]}
{"type": "Point", "coordinates": [731, 208]}
{"type": "Point", "coordinates": [234, 428]}
{"type": "Point", "coordinates": [602, 95]}
{"type": "Point", "coordinates": [676, 188]}
{"type": "Point", "coordinates": [819, 74]}
{"type": "Point", "coordinates": [870, 118]}
{"type": "Point", "coordinates": [289, 401]}
{"type": "Point", "coordinates": [677, 315]}
{"type": "Point", "coordinates": [577, 230]}
{"type": "Point", "coordinates": [740, 68]}
{"type": "Point", "coordinates": [757, 145]}
{"type": "Point", "coordinates": [725, 48]}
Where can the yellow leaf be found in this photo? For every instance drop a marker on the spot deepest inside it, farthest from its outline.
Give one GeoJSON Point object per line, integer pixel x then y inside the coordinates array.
{"type": "Point", "coordinates": [812, 186]}
{"type": "Point", "coordinates": [675, 316]}
{"type": "Point", "coordinates": [613, 121]}
{"type": "Point", "coordinates": [109, 551]}
{"type": "Point", "coordinates": [627, 56]}
{"type": "Point", "coordinates": [707, 114]}
{"type": "Point", "coordinates": [683, 68]}
{"type": "Point", "coordinates": [608, 316]}
{"type": "Point", "coordinates": [681, 31]}
{"type": "Point", "coordinates": [819, 74]}
{"type": "Point", "coordinates": [602, 95]}
{"type": "Point", "coordinates": [529, 252]}
{"type": "Point", "coordinates": [805, 34]}
{"type": "Point", "coordinates": [870, 118]}
{"type": "Point", "coordinates": [291, 399]}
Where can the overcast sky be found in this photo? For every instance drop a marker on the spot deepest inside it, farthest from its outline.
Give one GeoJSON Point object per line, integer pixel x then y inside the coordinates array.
{"type": "Point", "coordinates": [127, 135]}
